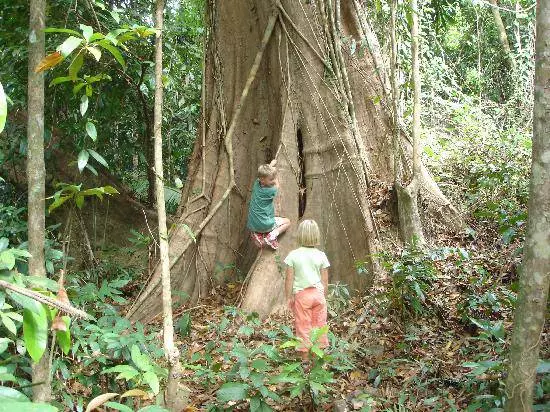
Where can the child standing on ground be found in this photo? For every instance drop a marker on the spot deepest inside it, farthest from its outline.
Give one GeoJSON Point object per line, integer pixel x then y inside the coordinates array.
{"type": "Point", "coordinates": [306, 285]}
{"type": "Point", "coordinates": [262, 222]}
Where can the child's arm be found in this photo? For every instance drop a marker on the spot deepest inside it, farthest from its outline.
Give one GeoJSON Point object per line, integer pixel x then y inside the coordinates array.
{"type": "Point", "coordinates": [289, 282]}
{"type": "Point", "coordinates": [324, 279]}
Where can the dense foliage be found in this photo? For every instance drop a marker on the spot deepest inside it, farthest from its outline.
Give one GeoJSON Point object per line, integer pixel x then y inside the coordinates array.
{"type": "Point", "coordinates": [401, 353]}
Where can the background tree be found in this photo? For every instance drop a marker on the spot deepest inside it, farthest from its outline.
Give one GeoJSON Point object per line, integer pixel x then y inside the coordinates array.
{"type": "Point", "coordinates": [409, 217]}
{"type": "Point", "coordinates": [36, 175]}
{"type": "Point", "coordinates": [171, 352]}
{"type": "Point", "coordinates": [531, 308]}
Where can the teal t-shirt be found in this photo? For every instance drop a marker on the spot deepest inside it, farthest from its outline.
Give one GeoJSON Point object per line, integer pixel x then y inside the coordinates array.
{"type": "Point", "coordinates": [261, 211]}
{"type": "Point", "coordinates": [307, 263]}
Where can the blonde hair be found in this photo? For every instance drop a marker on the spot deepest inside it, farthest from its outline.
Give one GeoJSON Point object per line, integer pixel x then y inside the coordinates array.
{"type": "Point", "coordinates": [308, 233]}
{"type": "Point", "coordinates": [266, 171]}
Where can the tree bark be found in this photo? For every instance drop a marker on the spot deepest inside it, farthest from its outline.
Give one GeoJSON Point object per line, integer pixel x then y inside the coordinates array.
{"type": "Point", "coordinates": [535, 275]}
{"type": "Point", "coordinates": [409, 217]}
{"type": "Point", "coordinates": [297, 93]}
{"type": "Point", "coordinates": [503, 37]}
{"type": "Point", "coordinates": [171, 400]}
{"type": "Point", "coordinates": [36, 174]}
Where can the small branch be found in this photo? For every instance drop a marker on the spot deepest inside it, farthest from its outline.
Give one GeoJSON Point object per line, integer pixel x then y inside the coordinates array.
{"type": "Point", "coordinates": [64, 307]}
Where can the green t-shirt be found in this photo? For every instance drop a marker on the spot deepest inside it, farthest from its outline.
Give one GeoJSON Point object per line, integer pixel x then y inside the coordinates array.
{"type": "Point", "coordinates": [261, 211]}
{"type": "Point", "coordinates": [307, 263]}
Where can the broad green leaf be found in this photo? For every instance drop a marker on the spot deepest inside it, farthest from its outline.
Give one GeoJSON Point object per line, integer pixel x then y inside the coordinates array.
{"type": "Point", "coordinates": [115, 16]}
{"type": "Point", "coordinates": [94, 51]}
{"type": "Point", "coordinates": [257, 404]}
{"type": "Point", "coordinates": [35, 332]}
{"type": "Point", "coordinates": [56, 30]}
{"type": "Point", "coordinates": [68, 46]}
{"type": "Point", "coordinates": [79, 200]}
{"type": "Point", "coordinates": [151, 379]}
{"type": "Point", "coordinates": [119, 407]}
{"type": "Point", "coordinates": [126, 372]}
{"type": "Point", "coordinates": [184, 324]}
{"type": "Point", "coordinates": [316, 333]}
{"type": "Point", "coordinates": [3, 108]}
{"type": "Point", "coordinates": [317, 351]}
{"type": "Point", "coordinates": [141, 360]}
{"type": "Point", "coordinates": [41, 282]}
{"type": "Point", "coordinates": [232, 391]}
{"type": "Point", "coordinates": [316, 387]}
{"type": "Point", "coordinates": [110, 190]}
{"type": "Point", "coordinates": [63, 337]}
{"type": "Point", "coordinates": [76, 65]}
{"type": "Point", "coordinates": [78, 87]}
{"type": "Point", "coordinates": [289, 344]}
{"type": "Point", "coordinates": [87, 31]}
{"type": "Point", "coordinates": [91, 169]}
{"type": "Point", "coordinates": [260, 365]}
{"type": "Point", "coordinates": [4, 344]}
{"type": "Point", "coordinates": [8, 323]}
{"type": "Point", "coordinates": [20, 253]}
{"type": "Point", "coordinates": [58, 202]}
{"type": "Point", "coordinates": [15, 316]}
{"type": "Point", "coordinates": [10, 394]}
{"type": "Point", "coordinates": [7, 260]}
{"type": "Point", "coordinates": [83, 104]}
{"type": "Point", "coordinates": [26, 302]}
{"type": "Point", "coordinates": [83, 157]}
{"type": "Point", "coordinates": [4, 242]}
{"type": "Point", "coordinates": [96, 36]}
{"type": "Point", "coordinates": [12, 406]}
{"type": "Point", "coordinates": [7, 377]}
{"type": "Point", "coordinates": [99, 158]}
{"type": "Point", "coordinates": [256, 378]}
{"type": "Point", "coordinates": [107, 45]}
{"type": "Point", "coordinates": [91, 130]}
{"type": "Point", "coordinates": [59, 80]}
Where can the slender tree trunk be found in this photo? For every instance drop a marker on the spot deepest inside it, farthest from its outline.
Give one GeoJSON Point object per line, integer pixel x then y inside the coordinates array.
{"type": "Point", "coordinates": [170, 350]}
{"type": "Point", "coordinates": [36, 175]}
{"type": "Point", "coordinates": [394, 92]}
{"type": "Point", "coordinates": [503, 37]}
{"type": "Point", "coordinates": [535, 275]}
{"type": "Point", "coordinates": [409, 216]}
{"type": "Point", "coordinates": [279, 82]}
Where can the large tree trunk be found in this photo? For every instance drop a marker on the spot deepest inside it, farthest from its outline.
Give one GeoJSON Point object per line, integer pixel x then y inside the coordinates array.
{"type": "Point", "coordinates": [36, 176]}
{"type": "Point", "coordinates": [535, 274]}
{"type": "Point", "coordinates": [322, 112]}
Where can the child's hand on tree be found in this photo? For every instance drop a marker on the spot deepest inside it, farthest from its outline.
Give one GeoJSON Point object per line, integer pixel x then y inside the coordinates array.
{"type": "Point", "coordinates": [273, 163]}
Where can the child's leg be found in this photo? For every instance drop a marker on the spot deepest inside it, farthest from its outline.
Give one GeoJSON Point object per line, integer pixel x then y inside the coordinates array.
{"type": "Point", "coordinates": [319, 316]}
{"type": "Point", "coordinates": [281, 225]}
{"type": "Point", "coordinates": [302, 318]}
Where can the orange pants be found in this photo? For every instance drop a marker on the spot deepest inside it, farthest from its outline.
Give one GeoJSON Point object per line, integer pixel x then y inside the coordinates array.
{"type": "Point", "coordinates": [310, 311]}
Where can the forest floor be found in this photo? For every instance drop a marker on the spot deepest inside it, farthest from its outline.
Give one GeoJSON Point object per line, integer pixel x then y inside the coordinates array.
{"type": "Point", "coordinates": [449, 356]}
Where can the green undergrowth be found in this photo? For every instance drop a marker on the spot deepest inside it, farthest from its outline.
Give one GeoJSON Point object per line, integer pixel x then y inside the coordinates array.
{"type": "Point", "coordinates": [255, 365]}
